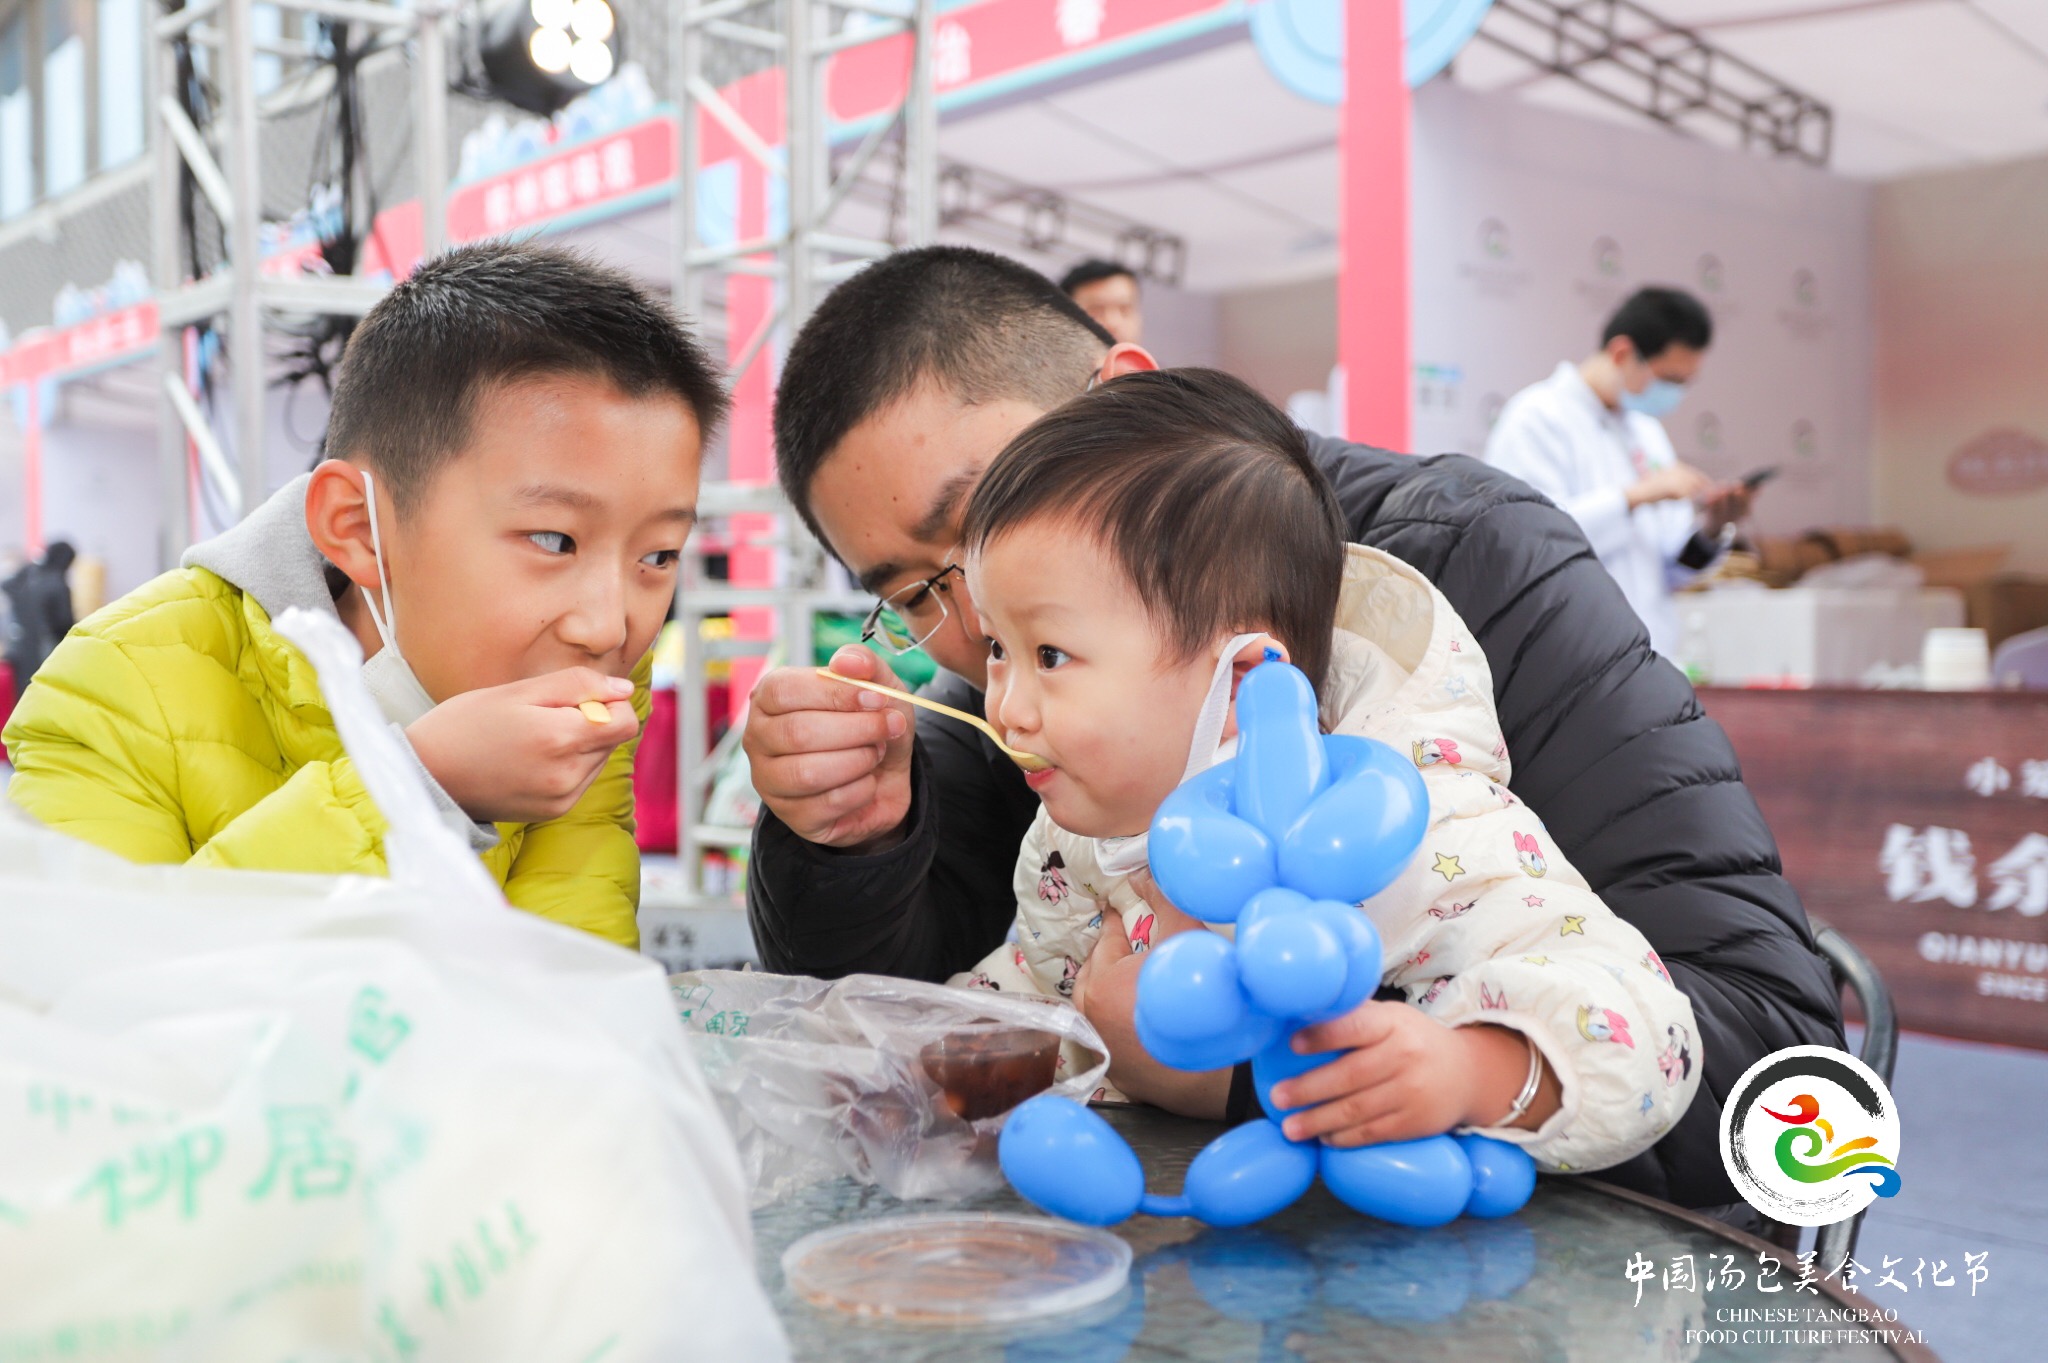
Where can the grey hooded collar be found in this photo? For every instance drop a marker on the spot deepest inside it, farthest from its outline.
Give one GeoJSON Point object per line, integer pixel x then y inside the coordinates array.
{"type": "Point", "coordinates": [270, 556]}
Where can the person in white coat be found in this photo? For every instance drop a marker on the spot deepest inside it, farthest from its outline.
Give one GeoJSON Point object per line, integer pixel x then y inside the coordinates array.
{"type": "Point", "coordinates": [1590, 438]}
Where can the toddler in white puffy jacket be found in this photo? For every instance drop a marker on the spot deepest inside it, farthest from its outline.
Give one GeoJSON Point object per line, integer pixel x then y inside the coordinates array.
{"type": "Point", "coordinates": [1130, 557]}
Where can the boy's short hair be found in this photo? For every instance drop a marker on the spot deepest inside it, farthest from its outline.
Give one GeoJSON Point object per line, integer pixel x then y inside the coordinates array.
{"type": "Point", "coordinates": [479, 316]}
{"type": "Point", "coordinates": [1655, 319]}
{"type": "Point", "coordinates": [1205, 493]}
{"type": "Point", "coordinates": [1093, 272]}
{"type": "Point", "coordinates": [981, 325]}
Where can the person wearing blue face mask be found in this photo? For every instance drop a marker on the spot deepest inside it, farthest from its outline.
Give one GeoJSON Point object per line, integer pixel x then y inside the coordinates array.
{"type": "Point", "coordinates": [1590, 437]}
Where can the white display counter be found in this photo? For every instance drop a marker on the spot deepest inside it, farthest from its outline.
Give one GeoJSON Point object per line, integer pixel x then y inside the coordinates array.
{"type": "Point", "coordinates": [1812, 636]}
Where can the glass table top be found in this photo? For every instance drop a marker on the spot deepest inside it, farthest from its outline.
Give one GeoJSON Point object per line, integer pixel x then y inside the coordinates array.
{"type": "Point", "coordinates": [1320, 1283]}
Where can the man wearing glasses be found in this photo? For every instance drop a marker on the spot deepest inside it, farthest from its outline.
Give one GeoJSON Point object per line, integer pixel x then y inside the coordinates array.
{"type": "Point", "coordinates": [887, 842]}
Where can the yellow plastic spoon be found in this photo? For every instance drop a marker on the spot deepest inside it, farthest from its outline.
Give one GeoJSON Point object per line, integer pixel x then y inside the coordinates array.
{"type": "Point", "coordinates": [1023, 759]}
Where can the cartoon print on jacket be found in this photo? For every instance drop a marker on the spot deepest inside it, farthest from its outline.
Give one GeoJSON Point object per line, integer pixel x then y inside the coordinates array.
{"type": "Point", "coordinates": [1068, 973]}
{"type": "Point", "coordinates": [1604, 1024]}
{"type": "Point", "coordinates": [1676, 1061]}
{"type": "Point", "coordinates": [1052, 879]}
{"type": "Point", "coordinates": [1430, 751]}
{"type": "Point", "coordinates": [1530, 853]}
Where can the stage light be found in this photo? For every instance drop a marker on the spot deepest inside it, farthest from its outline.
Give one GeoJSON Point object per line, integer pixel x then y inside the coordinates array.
{"type": "Point", "coordinates": [550, 49]}
{"type": "Point", "coordinates": [590, 62]}
{"type": "Point", "coordinates": [540, 54]}
{"type": "Point", "coordinates": [592, 19]}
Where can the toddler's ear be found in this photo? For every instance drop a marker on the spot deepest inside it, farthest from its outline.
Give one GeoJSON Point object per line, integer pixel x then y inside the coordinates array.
{"type": "Point", "coordinates": [1249, 657]}
{"type": "Point", "coordinates": [338, 519]}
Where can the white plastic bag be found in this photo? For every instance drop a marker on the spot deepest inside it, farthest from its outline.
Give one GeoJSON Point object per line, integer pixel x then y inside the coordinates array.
{"type": "Point", "coordinates": [263, 1117]}
{"type": "Point", "coordinates": [820, 1078]}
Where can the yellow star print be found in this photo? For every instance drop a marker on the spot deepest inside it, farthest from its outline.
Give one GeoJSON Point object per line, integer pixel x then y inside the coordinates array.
{"type": "Point", "coordinates": [1573, 923]}
{"type": "Point", "coordinates": [1537, 960]}
{"type": "Point", "coordinates": [1448, 867]}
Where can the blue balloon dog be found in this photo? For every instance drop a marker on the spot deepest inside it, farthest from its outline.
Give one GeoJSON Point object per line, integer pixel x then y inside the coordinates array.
{"type": "Point", "coordinates": [1284, 840]}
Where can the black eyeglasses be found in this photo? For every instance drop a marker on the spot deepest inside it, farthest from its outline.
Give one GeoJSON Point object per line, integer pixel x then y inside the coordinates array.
{"type": "Point", "coordinates": [905, 619]}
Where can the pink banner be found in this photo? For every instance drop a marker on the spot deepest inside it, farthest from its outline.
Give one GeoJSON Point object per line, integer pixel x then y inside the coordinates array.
{"type": "Point", "coordinates": [589, 175]}
{"type": "Point", "coordinates": [996, 38]}
{"type": "Point", "coordinates": [120, 335]}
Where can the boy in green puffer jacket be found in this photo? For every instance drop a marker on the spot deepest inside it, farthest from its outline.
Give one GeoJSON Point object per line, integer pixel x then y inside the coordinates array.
{"type": "Point", "coordinates": [517, 435]}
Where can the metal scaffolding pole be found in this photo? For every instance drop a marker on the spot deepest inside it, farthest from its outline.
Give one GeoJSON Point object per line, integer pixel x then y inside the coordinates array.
{"type": "Point", "coordinates": [805, 255]}
{"type": "Point", "coordinates": [921, 139]}
{"type": "Point", "coordinates": [430, 125]}
{"type": "Point", "coordinates": [168, 273]}
{"type": "Point", "coordinates": [246, 361]}
{"type": "Point", "coordinates": [216, 36]}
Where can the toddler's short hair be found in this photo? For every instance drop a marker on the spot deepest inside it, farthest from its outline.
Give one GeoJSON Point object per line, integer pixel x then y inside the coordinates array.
{"type": "Point", "coordinates": [488, 314]}
{"type": "Point", "coordinates": [1204, 492]}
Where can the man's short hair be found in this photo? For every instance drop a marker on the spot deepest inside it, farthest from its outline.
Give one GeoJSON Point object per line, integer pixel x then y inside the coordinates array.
{"type": "Point", "coordinates": [1656, 319]}
{"type": "Point", "coordinates": [1093, 272]}
{"type": "Point", "coordinates": [978, 324]}
{"type": "Point", "coordinates": [481, 316]}
{"type": "Point", "coordinates": [1201, 489]}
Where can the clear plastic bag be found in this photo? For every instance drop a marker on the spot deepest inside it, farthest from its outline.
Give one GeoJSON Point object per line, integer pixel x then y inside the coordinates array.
{"type": "Point", "coordinates": [247, 1117]}
{"type": "Point", "coordinates": [894, 1082]}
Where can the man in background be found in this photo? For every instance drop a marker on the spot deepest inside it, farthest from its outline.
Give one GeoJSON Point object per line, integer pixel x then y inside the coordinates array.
{"type": "Point", "coordinates": [1108, 292]}
{"type": "Point", "coordinates": [1589, 438]}
{"type": "Point", "coordinates": [39, 601]}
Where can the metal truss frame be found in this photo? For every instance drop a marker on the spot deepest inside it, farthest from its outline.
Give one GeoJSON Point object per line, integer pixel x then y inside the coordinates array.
{"type": "Point", "coordinates": [1008, 212]}
{"type": "Point", "coordinates": [1626, 54]}
{"type": "Point", "coordinates": [184, 149]}
{"type": "Point", "coordinates": [805, 256]}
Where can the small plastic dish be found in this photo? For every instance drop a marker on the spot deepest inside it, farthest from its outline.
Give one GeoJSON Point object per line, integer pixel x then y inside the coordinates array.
{"type": "Point", "coordinates": [986, 1068]}
{"type": "Point", "coordinates": [959, 1269]}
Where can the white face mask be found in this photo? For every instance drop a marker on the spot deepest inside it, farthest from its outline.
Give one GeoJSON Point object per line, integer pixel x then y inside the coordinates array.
{"type": "Point", "coordinates": [1121, 856]}
{"type": "Point", "coordinates": [390, 678]}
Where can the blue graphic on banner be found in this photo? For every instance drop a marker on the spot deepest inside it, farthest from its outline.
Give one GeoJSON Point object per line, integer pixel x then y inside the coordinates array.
{"type": "Point", "coordinates": [718, 203]}
{"type": "Point", "coordinates": [1302, 41]}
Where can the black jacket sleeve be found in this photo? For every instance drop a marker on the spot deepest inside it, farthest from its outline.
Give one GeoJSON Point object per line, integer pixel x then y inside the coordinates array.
{"type": "Point", "coordinates": [930, 906]}
{"type": "Point", "coordinates": [1609, 746]}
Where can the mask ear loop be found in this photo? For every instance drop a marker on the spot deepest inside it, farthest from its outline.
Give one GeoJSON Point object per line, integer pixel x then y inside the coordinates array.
{"type": "Point", "coordinates": [387, 623]}
{"type": "Point", "coordinates": [1216, 706]}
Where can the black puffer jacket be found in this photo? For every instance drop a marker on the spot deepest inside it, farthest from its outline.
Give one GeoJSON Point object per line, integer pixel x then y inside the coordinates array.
{"type": "Point", "coordinates": [1608, 744]}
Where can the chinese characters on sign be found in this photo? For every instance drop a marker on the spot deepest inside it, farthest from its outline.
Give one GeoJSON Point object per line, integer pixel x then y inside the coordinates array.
{"type": "Point", "coordinates": [581, 178]}
{"type": "Point", "coordinates": [1722, 1273]}
{"type": "Point", "coordinates": [1937, 863]}
{"type": "Point", "coordinates": [1988, 777]}
{"type": "Point", "coordinates": [1917, 824]}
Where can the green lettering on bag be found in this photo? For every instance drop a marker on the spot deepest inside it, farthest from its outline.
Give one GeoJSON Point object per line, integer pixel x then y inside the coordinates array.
{"type": "Point", "coordinates": [155, 1171]}
{"type": "Point", "coordinates": [372, 1030]}
{"type": "Point", "coordinates": [304, 1147]}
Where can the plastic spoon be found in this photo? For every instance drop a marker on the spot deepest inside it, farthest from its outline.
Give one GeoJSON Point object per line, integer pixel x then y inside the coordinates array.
{"type": "Point", "coordinates": [1022, 759]}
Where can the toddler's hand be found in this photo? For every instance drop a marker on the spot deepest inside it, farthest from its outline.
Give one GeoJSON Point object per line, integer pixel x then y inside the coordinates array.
{"type": "Point", "coordinates": [1407, 1076]}
{"type": "Point", "coordinates": [523, 752]}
